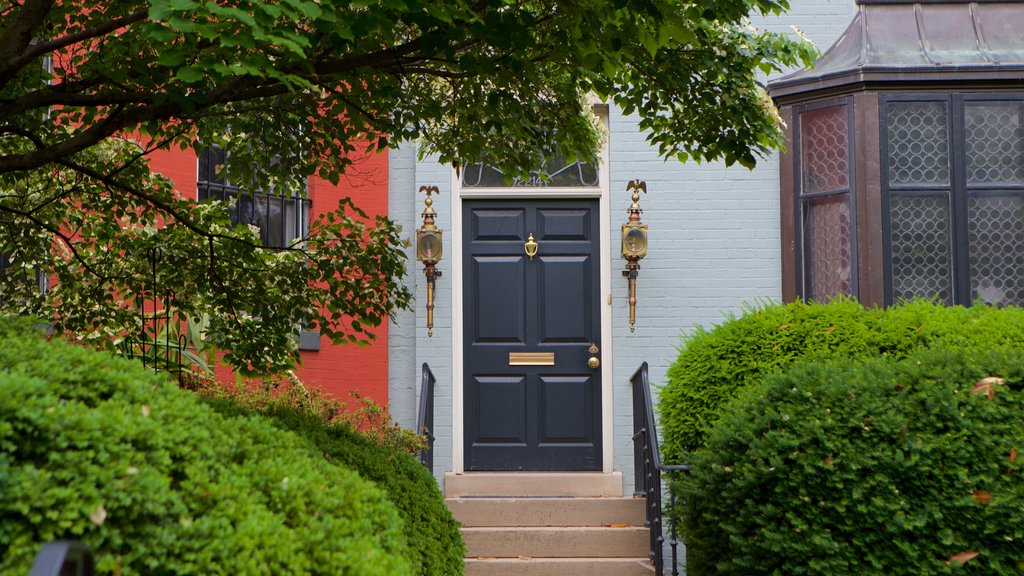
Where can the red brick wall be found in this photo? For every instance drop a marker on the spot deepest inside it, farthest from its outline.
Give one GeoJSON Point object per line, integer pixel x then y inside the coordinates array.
{"type": "Point", "coordinates": [335, 369]}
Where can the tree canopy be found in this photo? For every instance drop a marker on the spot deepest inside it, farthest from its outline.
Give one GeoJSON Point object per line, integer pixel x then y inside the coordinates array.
{"type": "Point", "coordinates": [89, 88]}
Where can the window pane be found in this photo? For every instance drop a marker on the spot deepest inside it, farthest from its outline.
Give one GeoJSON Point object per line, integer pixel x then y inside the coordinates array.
{"type": "Point", "coordinates": [827, 247]}
{"type": "Point", "coordinates": [823, 150]}
{"type": "Point", "coordinates": [211, 166]}
{"type": "Point", "coordinates": [995, 227]}
{"type": "Point", "coordinates": [921, 260]}
{"type": "Point", "coordinates": [281, 218]}
{"type": "Point", "coordinates": [296, 221]}
{"type": "Point", "coordinates": [995, 142]}
{"type": "Point", "coordinates": [243, 213]}
{"type": "Point", "coordinates": [275, 223]}
{"type": "Point", "coordinates": [918, 143]}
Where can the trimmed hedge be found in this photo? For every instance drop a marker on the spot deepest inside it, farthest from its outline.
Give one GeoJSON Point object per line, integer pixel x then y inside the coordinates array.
{"type": "Point", "coordinates": [713, 365]}
{"type": "Point", "coordinates": [433, 534]}
{"type": "Point", "coordinates": [97, 449]}
{"type": "Point", "coordinates": [890, 467]}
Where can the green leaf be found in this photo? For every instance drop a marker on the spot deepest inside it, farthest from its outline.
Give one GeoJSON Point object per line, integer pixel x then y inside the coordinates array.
{"type": "Point", "coordinates": [190, 74]}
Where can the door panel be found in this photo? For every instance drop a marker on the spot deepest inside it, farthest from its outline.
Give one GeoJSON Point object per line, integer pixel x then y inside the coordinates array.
{"type": "Point", "coordinates": [498, 224]}
{"type": "Point", "coordinates": [564, 224]}
{"type": "Point", "coordinates": [541, 411]}
{"type": "Point", "coordinates": [500, 299]}
{"type": "Point", "coordinates": [559, 424]}
{"type": "Point", "coordinates": [501, 404]}
{"type": "Point", "coordinates": [560, 319]}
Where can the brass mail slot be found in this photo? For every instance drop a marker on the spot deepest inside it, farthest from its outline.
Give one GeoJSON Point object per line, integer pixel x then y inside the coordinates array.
{"type": "Point", "coordinates": [531, 358]}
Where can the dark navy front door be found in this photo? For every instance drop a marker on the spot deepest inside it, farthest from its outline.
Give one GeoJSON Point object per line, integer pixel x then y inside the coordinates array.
{"type": "Point", "coordinates": [531, 400]}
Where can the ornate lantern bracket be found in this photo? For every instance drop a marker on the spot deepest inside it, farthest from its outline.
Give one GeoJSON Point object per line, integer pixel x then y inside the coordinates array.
{"type": "Point", "coordinates": [429, 250]}
{"type": "Point", "coordinates": [634, 245]}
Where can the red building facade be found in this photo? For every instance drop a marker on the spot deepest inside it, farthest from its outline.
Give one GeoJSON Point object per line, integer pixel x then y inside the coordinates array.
{"type": "Point", "coordinates": [335, 369]}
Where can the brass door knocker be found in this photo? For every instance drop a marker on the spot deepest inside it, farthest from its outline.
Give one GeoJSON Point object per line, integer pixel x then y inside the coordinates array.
{"type": "Point", "coordinates": [531, 247]}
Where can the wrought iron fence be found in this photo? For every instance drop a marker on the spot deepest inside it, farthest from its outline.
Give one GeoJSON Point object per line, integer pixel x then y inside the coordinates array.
{"type": "Point", "coordinates": [159, 340]}
{"type": "Point", "coordinates": [425, 421]}
{"type": "Point", "coordinates": [648, 469]}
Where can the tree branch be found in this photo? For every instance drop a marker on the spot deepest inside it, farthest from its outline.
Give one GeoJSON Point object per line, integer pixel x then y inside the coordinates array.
{"type": "Point", "coordinates": [19, 34]}
{"type": "Point", "coordinates": [64, 238]}
{"type": "Point", "coordinates": [13, 64]}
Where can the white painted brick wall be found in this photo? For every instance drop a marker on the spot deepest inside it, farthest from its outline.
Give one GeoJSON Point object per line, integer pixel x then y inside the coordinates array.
{"type": "Point", "coordinates": [403, 386]}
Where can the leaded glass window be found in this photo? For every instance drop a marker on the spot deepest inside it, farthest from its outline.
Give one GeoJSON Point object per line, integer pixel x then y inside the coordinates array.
{"type": "Point", "coordinates": [825, 202]}
{"type": "Point", "coordinates": [955, 192]}
{"type": "Point", "coordinates": [921, 253]}
{"type": "Point", "coordinates": [994, 142]}
{"type": "Point", "coordinates": [994, 155]}
{"type": "Point", "coordinates": [282, 217]}
{"type": "Point", "coordinates": [995, 235]}
{"type": "Point", "coordinates": [557, 172]}
{"type": "Point", "coordinates": [920, 223]}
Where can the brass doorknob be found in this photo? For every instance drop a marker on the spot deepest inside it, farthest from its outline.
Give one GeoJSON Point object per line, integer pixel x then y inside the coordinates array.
{"type": "Point", "coordinates": [594, 362]}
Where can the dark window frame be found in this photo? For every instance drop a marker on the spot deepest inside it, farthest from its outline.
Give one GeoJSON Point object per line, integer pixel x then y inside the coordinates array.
{"type": "Point", "coordinates": [959, 189]}
{"type": "Point", "coordinates": [802, 256]}
{"type": "Point", "coordinates": [209, 185]}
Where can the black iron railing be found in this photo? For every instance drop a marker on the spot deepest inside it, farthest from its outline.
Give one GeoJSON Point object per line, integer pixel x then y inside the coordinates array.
{"type": "Point", "coordinates": [160, 341]}
{"type": "Point", "coordinates": [425, 421]}
{"type": "Point", "coordinates": [648, 469]}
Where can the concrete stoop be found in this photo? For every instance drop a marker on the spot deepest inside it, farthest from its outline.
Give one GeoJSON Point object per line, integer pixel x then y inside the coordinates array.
{"type": "Point", "coordinates": [509, 534]}
{"type": "Point", "coordinates": [559, 567]}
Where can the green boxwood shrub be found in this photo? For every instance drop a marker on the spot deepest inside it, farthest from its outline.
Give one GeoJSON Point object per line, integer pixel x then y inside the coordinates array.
{"type": "Point", "coordinates": [97, 449]}
{"type": "Point", "coordinates": [713, 365]}
{"type": "Point", "coordinates": [433, 534]}
{"type": "Point", "coordinates": [889, 467]}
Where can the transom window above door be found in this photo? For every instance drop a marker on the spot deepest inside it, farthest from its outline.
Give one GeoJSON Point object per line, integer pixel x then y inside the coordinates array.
{"type": "Point", "coordinates": [557, 172]}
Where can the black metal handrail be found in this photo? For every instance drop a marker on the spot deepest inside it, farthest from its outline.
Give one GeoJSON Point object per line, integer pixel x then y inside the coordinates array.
{"type": "Point", "coordinates": [648, 469]}
{"type": "Point", "coordinates": [425, 421]}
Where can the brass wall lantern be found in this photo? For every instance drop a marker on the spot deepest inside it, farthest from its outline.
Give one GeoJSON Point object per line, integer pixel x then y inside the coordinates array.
{"type": "Point", "coordinates": [429, 251]}
{"type": "Point", "coordinates": [634, 245]}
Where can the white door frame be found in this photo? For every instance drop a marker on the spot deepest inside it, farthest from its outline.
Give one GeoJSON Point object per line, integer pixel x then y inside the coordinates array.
{"type": "Point", "coordinates": [602, 193]}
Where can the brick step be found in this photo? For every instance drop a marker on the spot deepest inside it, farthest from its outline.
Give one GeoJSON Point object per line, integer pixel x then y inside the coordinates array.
{"type": "Point", "coordinates": [559, 567]}
{"type": "Point", "coordinates": [556, 542]}
{"type": "Point", "coordinates": [553, 511]}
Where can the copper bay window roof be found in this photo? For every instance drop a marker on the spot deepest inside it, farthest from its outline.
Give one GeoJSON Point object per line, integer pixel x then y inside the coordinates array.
{"type": "Point", "coordinates": [895, 42]}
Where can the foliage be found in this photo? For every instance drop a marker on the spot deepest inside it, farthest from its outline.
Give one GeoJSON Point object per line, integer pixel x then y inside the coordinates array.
{"type": "Point", "coordinates": [434, 538]}
{"type": "Point", "coordinates": [95, 240]}
{"type": "Point", "coordinates": [286, 391]}
{"type": "Point", "coordinates": [304, 87]}
{"type": "Point", "coordinates": [713, 365]}
{"type": "Point", "coordinates": [97, 449]}
{"type": "Point", "coordinates": [889, 467]}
